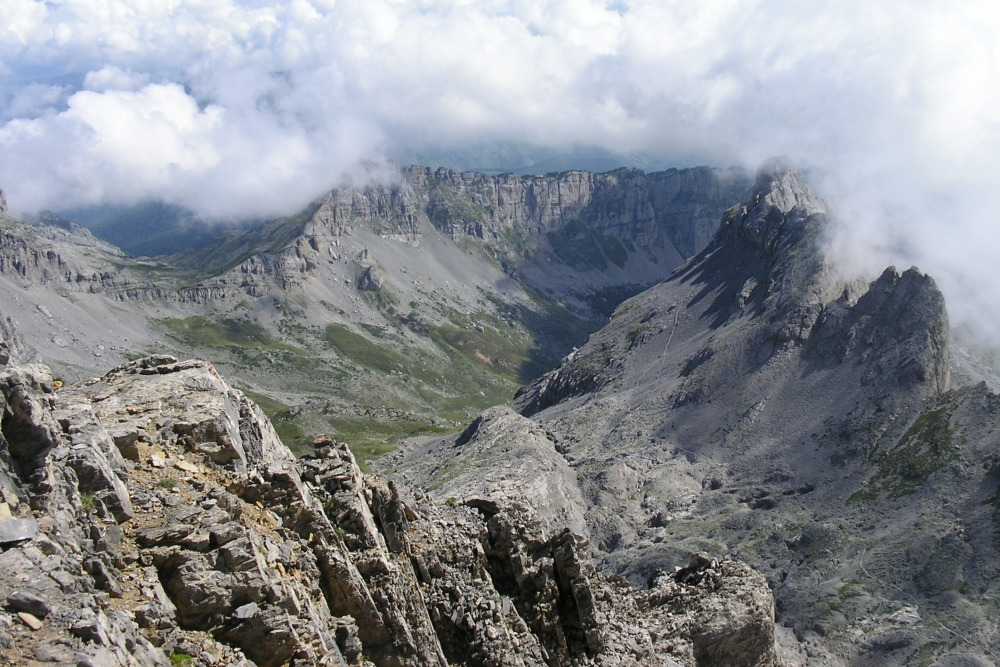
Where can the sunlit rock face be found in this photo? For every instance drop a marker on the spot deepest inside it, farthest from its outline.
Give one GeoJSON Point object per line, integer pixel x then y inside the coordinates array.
{"type": "Point", "coordinates": [152, 515]}
{"type": "Point", "coordinates": [753, 405]}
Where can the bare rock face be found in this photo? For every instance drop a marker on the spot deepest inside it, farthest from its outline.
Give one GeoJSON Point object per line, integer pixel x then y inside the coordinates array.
{"type": "Point", "coordinates": [153, 514]}
{"type": "Point", "coordinates": [714, 613]}
{"type": "Point", "coordinates": [520, 460]}
{"type": "Point", "coordinates": [627, 203]}
{"type": "Point", "coordinates": [752, 405]}
{"type": "Point", "coordinates": [588, 223]}
{"type": "Point", "coordinates": [371, 279]}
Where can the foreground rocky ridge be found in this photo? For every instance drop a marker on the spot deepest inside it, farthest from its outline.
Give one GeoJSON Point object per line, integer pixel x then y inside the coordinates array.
{"type": "Point", "coordinates": [153, 514]}
{"type": "Point", "coordinates": [752, 404]}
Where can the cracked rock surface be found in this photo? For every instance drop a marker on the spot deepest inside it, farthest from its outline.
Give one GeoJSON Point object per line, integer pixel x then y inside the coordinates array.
{"type": "Point", "coordinates": [153, 514]}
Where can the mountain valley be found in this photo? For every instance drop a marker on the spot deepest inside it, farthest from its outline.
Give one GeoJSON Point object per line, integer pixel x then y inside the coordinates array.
{"type": "Point", "coordinates": [754, 405]}
{"type": "Point", "coordinates": [396, 306]}
{"type": "Point", "coordinates": [665, 364]}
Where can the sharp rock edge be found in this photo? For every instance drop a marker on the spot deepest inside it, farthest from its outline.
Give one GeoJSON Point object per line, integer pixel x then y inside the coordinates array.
{"type": "Point", "coordinates": [752, 405]}
{"type": "Point", "coordinates": [152, 515]}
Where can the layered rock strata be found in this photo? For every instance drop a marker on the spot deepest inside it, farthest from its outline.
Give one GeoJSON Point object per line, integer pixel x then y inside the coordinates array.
{"type": "Point", "coordinates": [152, 515]}
{"type": "Point", "coordinates": [755, 403]}
{"type": "Point", "coordinates": [662, 216]}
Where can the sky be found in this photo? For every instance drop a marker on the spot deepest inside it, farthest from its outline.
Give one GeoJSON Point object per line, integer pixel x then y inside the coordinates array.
{"type": "Point", "coordinates": [252, 108]}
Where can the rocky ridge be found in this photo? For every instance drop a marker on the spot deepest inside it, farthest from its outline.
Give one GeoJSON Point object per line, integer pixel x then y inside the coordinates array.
{"type": "Point", "coordinates": [753, 405]}
{"type": "Point", "coordinates": [152, 516]}
{"type": "Point", "coordinates": [646, 219]}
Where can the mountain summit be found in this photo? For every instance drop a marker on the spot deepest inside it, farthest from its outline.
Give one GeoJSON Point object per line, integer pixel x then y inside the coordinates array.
{"type": "Point", "coordinates": [753, 405]}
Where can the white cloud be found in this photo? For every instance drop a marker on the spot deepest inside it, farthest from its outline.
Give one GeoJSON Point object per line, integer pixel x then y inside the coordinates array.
{"type": "Point", "coordinates": [114, 78]}
{"type": "Point", "coordinates": [255, 106]}
{"type": "Point", "coordinates": [33, 100]}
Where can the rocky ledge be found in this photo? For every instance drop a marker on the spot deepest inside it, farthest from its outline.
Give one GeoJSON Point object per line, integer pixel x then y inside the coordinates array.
{"type": "Point", "coordinates": [153, 517]}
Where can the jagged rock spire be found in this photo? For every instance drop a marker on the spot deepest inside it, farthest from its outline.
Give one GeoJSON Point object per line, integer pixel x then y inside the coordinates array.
{"type": "Point", "coordinates": [778, 183]}
{"type": "Point", "coordinates": [779, 196]}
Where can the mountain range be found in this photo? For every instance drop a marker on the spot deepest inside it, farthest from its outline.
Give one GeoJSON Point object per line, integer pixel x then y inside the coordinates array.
{"type": "Point", "coordinates": [665, 364]}
{"type": "Point", "coordinates": [407, 302]}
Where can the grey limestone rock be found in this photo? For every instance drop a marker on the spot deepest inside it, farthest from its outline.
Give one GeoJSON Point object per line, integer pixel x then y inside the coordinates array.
{"type": "Point", "coordinates": [266, 560]}
{"type": "Point", "coordinates": [756, 404]}
{"type": "Point", "coordinates": [371, 279]}
{"type": "Point", "coordinates": [522, 459]}
{"type": "Point", "coordinates": [13, 531]}
{"type": "Point", "coordinates": [30, 602]}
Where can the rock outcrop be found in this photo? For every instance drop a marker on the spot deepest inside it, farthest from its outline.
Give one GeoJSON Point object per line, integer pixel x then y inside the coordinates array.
{"type": "Point", "coordinates": [526, 463]}
{"type": "Point", "coordinates": [152, 515]}
{"type": "Point", "coordinates": [677, 207]}
{"type": "Point", "coordinates": [754, 405]}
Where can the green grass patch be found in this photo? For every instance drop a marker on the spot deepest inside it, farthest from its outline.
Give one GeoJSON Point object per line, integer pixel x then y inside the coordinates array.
{"type": "Point", "coordinates": [370, 439]}
{"type": "Point", "coordinates": [374, 330]}
{"type": "Point", "coordinates": [362, 351]}
{"type": "Point", "coordinates": [87, 501]}
{"type": "Point", "coordinates": [181, 660]}
{"type": "Point", "coordinates": [484, 348]}
{"type": "Point", "coordinates": [284, 418]}
{"type": "Point", "coordinates": [382, 299]}
{"type": "Point", "coordinates": [203, 332]}
{"type": "Point", "coordinates": [928, 446]}
{"type": "Point", "coordinates": [286, 425]}
{"type": "Point", "coordinates": [247, 344]}
{"type": "Point", "coordinates": [270, 406]}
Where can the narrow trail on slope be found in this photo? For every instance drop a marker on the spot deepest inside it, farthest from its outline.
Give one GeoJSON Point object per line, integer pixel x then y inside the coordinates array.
{"type": "Point", "coordinates": [661, 359]}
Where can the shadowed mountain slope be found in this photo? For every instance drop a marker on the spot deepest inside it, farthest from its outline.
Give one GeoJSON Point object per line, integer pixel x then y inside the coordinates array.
{"type": "Point", "coordinates": [752, 405]}
{"type": "Point", "coordinates": [402, 305]}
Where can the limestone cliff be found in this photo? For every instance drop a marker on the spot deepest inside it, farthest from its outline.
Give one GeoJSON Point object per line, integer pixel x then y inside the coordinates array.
{"type": "Point", "coordinates": [152, 516]}
{"type": "Point", "coordinates": [754, 405]}
{"type": "Point", "coordinates": [578, 220]}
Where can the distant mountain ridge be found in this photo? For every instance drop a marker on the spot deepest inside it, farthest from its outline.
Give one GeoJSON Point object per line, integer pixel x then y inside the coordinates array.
{"type": "Point", "coordinates": [591, 222]}
{"type": "Point", "coordinates": [474, 284]}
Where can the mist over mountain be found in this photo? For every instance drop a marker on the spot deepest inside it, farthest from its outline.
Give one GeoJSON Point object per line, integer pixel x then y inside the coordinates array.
{"type": "Point", "coordinates": [630, 409]}
{"type": "Point", "coordinates": [148, 229]}
{"type": "Point", "coordinates": [156, 228]}
{"type": "Point", "coordinates": [531, 159]}
{"type": "Point", "coordinates": [250, 110]}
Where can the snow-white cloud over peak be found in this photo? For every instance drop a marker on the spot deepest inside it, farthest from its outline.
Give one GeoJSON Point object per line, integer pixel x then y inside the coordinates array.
{"type": "Point", "coordinates": [252, 107]}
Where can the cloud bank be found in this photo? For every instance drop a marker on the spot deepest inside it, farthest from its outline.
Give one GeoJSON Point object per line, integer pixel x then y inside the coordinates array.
{"type": "Point", "coordinates": [252, 108]}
